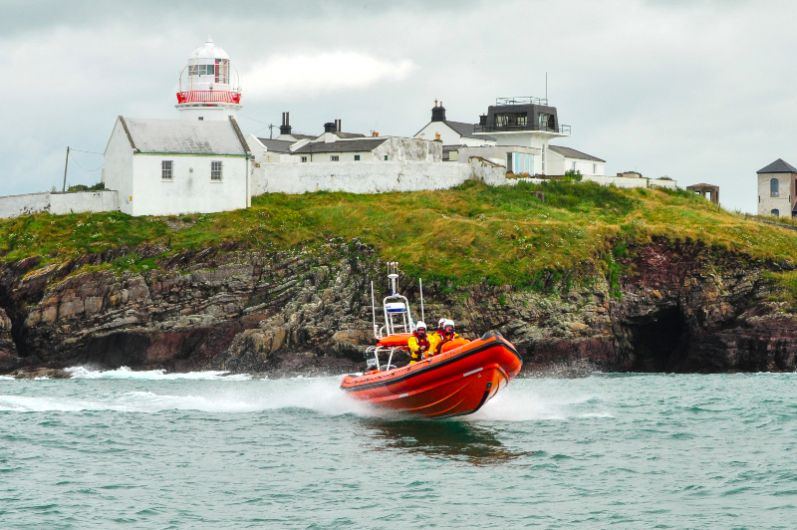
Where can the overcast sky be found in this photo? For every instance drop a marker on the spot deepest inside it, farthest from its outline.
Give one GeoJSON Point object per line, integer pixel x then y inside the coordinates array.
{"type": "Point", "coordinates": [697, 90]}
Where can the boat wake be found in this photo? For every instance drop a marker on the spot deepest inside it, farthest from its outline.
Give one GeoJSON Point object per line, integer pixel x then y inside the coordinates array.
{"type": "Point", "coordinates": [520, 401]}
{"type": "Point", "coordinates": [155, 391]}
{"type": "Point", "coordinates": [83, 372]}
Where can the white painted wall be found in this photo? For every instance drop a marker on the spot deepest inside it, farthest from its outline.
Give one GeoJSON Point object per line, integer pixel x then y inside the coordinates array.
{"type": "Point", "coordinates": [84, 201]}
{"type": "Point", "coordinates": [362, 177]}
{"type": "Point", "coordinates": [559, 164]}
{"type": "Point", "coordinates": [16, 205]}
{"type": "Point", "coordinates": [782, 203]}
{"type": "Point", "coordinates": [58, 203]}
{"type": "Point", "coordinates": [117, 169]}
{"type": "Point", "coordinates": [190, 190]}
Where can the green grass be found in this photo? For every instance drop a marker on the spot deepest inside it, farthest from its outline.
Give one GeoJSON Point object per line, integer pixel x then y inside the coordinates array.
{"type": "Point", "coordinates": [464, 236]}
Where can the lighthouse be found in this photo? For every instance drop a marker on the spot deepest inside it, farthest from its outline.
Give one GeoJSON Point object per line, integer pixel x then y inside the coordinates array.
{"type": "Point", "coordinates": [209, 87]}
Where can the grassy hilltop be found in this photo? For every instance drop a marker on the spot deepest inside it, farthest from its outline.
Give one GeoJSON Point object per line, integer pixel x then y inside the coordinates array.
{"type": "Point", "coordinates": [464, 236]}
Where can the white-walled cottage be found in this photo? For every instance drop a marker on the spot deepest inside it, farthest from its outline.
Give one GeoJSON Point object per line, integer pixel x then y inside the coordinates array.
{"type": "Point", "coordinates": [165, 167]}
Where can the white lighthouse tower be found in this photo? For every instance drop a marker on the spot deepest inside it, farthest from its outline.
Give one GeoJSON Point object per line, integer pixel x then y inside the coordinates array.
{"type": "Point", "coordinates": [209, 87]}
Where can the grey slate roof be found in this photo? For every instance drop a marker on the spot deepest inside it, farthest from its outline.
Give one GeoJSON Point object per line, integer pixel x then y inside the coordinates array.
{"type": "Point", "coordinates": [348, 135]}
{"type": "Point", "coordinates": [185, 136]}
{"type": "Point", "coordinates": [778, 166]}
{"type": "Point", "coordinates": [342, 146]}
{"type": "Point", "coordinates": [569, 152]}
{"type": "Point", "coordinates": [277, 146]}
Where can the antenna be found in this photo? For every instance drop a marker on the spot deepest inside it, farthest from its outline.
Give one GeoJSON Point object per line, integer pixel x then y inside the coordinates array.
{"type": "Point", "coordinates": [392, 276]}
{"type": "Point", "coordinates": [420, 288]}
{"type": "Point", "coordinates": [373, 311]}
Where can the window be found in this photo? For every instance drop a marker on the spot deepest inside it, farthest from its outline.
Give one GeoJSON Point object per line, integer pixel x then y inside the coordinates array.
{"type": "Point", "coordinates": [222, 71]}
{"type": "Point", "coordinates": [774, 187]}
{"type": "Point", "coordinates": [511, 120]}
{"type": "Point", "coordinates": [356, 158]}
{"type": "Point", "coordinates": [521, 163]}
{"type": "Point", "coordinates": [775, 212]}
{"type": "Point", "coordinates": [201, 69]}
{"type": "Point", "coordinates": [215, 170]}
{"type": "Point", "coordinates": [594, 169]}
{"type": "Point", "coordinates": [334, 158]}
{"type": "Point", "coordinates": [547, 122]}
{"type": "Point", "coordinates": [573, 165]}
{"type": "Point", "coordinates": [385, 157]}
{"type": "Point", "coordinates": [304, 159]}
{"type": "Point", "coordinates": [166, 169]}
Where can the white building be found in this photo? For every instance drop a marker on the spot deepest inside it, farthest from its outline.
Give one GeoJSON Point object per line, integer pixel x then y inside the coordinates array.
{"type": "Point", "coordinates": [198, 163]}
{"type": "Point", "coordinates": [344, 161]}
{"type": "Point", "coordinates": [562, 159]}
{"type": "Point", "coordinates": [777, 189]}
{"type": "Point", "coordinates": [166, 167]}
{"type": "Point", "coordinates": [451, 133]}
{"type": "Point", "coordinates": [515, 133]}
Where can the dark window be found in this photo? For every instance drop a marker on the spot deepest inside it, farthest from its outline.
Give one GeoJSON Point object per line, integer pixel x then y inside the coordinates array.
{"type": "Point", "coordinates": [509, 120]}
{"type": "Point", "coordinates": [356, 158]}
{"type": "Point", "coordinates": [775, 212]}
{"type": "Point", "coordinates": [215, 170]}
{"type": "Point", "coordinates": [774, 187]}
{"type": "Point", "coordinates": [304, 159]}
{"type": "Point", "coordinates": [385, 157]}
{"type": "Point", "coordinates": [166, 169]}
{"type": "Point", "coordinates": [335, 158]}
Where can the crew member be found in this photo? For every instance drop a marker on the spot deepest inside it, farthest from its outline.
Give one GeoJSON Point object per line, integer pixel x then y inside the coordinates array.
{"type": "Point", "coordinates": [436, 336]}
{"type": "Point", "coordinates": [419, 343]}
{"type": "Point", "coordinates": [446, 335]}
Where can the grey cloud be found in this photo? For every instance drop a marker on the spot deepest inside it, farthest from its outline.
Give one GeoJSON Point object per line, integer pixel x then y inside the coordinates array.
{"type": "Point", "coordinates": [699, 91]}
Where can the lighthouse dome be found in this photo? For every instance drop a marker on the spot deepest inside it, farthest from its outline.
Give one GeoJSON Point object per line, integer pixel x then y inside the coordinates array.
{"type": "Point", "coordinates": [209, 87]}
{"type": "Point", "coordinates": [209, 50]}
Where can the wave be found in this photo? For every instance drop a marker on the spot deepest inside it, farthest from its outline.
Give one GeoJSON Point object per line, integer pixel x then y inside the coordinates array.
{"type": "Point", "coordinates": [320, 395]}
{"type": "Point", "coordinates": [83, 372]}
{"type": "Point", "coordinates": [520, 402]}
{"type": "Point", "coordinates": [523, 400]}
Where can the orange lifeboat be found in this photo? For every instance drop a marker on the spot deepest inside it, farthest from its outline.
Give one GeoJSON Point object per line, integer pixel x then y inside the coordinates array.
{"type": "Point", "coordinates": [458, 381]}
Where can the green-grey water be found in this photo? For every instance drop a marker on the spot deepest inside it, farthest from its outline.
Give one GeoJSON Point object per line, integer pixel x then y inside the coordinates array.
{"type": "Point", "coordinates": [148, 450]}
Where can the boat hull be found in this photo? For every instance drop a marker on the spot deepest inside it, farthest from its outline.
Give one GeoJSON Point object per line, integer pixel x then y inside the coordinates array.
{"type": "Point", "coordinates": [454, 383]}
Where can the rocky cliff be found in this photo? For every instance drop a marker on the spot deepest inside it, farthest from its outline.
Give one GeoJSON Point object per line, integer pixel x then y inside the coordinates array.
{"type": "Point", "coordinates": [673, 307]}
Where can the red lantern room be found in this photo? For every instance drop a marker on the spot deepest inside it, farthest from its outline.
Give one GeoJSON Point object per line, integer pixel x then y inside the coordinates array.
{"type": "Point", "coordinates": [209, 87]}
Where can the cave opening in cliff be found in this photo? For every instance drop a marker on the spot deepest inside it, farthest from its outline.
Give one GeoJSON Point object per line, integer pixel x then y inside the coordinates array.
{"type": "Point", "coordinates": [659, 340]}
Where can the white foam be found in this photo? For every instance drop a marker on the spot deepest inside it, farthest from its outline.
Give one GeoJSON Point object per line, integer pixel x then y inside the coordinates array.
{"type": "Point", "coordinates": [321, 395]}
{"type": "Point", "coordinates": [522, 403]}
{"type": "Point", "coordinates": [83, 372]}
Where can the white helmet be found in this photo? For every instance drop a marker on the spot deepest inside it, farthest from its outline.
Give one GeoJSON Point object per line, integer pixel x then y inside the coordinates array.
{"type": "Point", "coordinates": [441, 323]}
{"type": "Point", "coordinates": [420, 324]}
{"type": "Point", "coordinates": [448, 322]}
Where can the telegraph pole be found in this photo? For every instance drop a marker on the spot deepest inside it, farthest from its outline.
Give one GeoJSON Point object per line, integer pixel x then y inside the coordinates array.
{"type": "Point", "coordinates": [66, 166]}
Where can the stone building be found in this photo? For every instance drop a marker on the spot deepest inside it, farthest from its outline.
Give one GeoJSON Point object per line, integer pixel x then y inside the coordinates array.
{"type": "Point", "coordinates": [777, 189]}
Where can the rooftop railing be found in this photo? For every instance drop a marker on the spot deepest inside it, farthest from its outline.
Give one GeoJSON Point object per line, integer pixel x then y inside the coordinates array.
{"type": "Point", "coordinates": [562, 129]}
{"type": "Point", "coordinates": [209, 96]}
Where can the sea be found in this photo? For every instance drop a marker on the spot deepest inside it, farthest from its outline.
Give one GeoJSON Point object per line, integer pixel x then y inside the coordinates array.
{"type": "Point", "coordinates": [126, 449]}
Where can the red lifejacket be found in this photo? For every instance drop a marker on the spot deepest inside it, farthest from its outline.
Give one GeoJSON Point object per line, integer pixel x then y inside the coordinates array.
{"type": "Point", "coordinates": [423, 347]}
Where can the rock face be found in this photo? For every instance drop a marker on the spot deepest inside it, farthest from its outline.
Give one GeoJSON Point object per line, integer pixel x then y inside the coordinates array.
{"type": "Point", "coordinates": [8, 350]}
{"type": "Point", "coordinates": [677, 308]}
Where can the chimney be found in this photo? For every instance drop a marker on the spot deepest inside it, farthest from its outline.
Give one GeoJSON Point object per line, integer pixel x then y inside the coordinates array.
{"type": "Point", "coordinates": [438, 111]}
{"type": "Point", "coordinates": [285, 128]}
{"type": "Point", "coordinates": [374, 133]}
{"type": "Point", "coordinates": [329, 127]}
{"type": "Point", "coordinates": [338, 127]}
